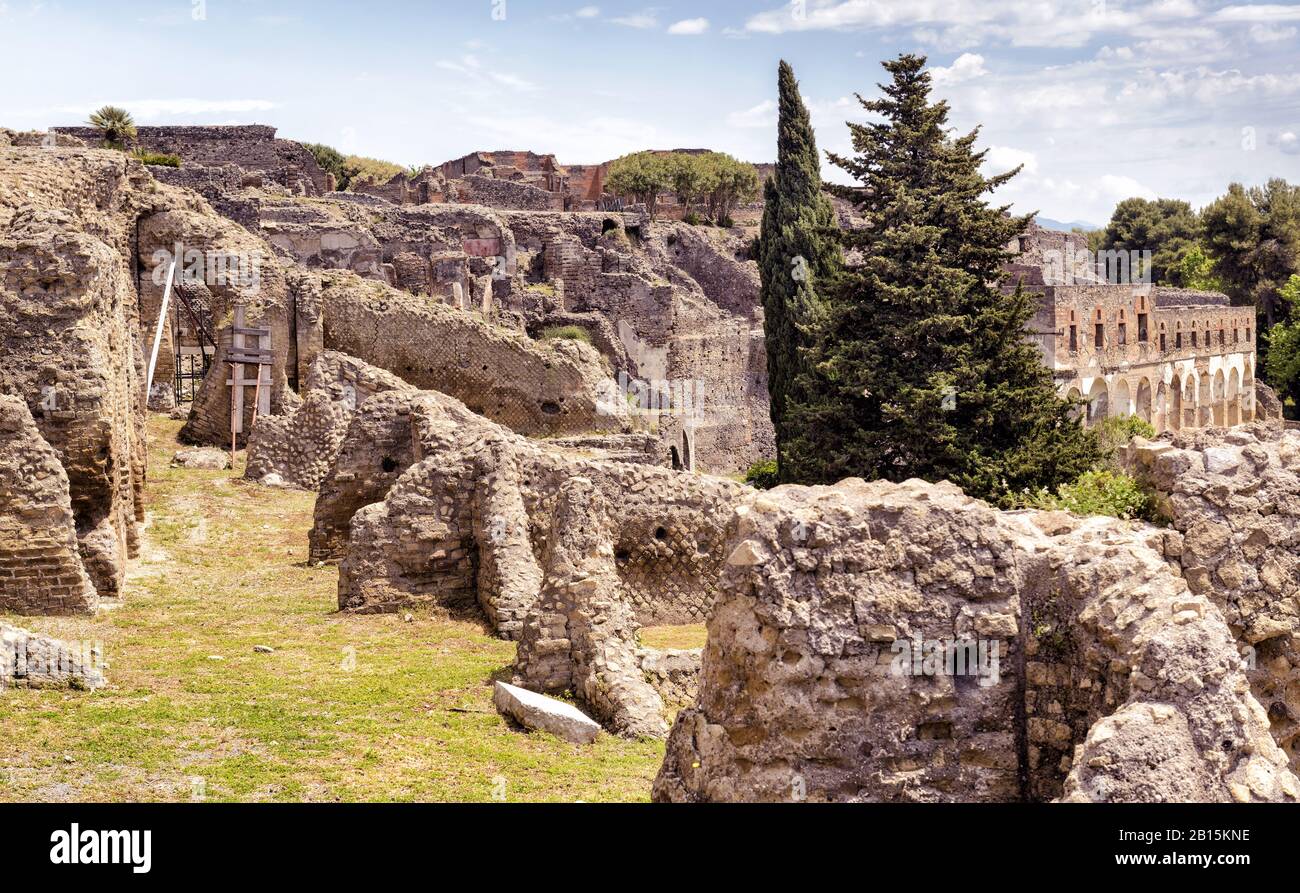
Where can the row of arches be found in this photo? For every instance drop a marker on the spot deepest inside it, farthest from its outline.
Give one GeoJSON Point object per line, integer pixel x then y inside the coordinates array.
{"type": "Point", "coordinates": [1193, 400]}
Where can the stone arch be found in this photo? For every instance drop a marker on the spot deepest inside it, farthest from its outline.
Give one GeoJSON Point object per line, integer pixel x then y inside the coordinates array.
{"type": "Point", "coordinates": [1234, 397]}
{"type": "Point", "coordinates": [1098, 402]}
{"type": "Point", "coordinates": [1220, 394]}
{"type": "Point", "coordinates": [1142, 401]}
{"type": "Point", "coordinates": [1248, 390]}
{"type": "Point", "coordinates": [1190, 419]}
{"type": "Point", "coordinates": [1176, 405]}
{"type": "Point", "coordinates": [1078, 410]}
{"type": "Point", "coordinates": [1205, 401]}
{"type": "Point", "coordinates": [1121, 398]}
{"type": "Point", "coordinates": [1160, 415]}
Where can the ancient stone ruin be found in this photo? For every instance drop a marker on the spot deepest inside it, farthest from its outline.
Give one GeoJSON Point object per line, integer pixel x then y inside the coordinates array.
{"type": "Point", "coordinates": [511, 400]}
{"type": "Point", "coordinates": [1234, 500]}
{"type": "Point", "coordinates": [41, 571]}
{"type": "Point", "coordinates": [28, 660]}
{"type": "Point", "coordinates": [905, 642]}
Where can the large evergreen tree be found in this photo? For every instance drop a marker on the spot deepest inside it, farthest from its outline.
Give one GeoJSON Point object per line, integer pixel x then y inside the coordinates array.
{"type": "Point", "coordinates": [923, 368]}
{"type": "Point", "coordinates": [796, 255]}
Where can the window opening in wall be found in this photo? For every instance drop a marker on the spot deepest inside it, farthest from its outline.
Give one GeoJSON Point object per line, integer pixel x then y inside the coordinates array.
{"type": "Point", "coordinates": [1099, 336]}
{"type": "Point", "coordinates": [1142, 328]}
{"type": "Point", "coordinates": [1074, 339]}
{"type": "Point", "coordinates": [1123, 334]}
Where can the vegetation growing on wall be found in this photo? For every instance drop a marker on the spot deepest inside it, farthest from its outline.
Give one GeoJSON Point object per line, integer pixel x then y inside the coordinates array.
{"type": "Point", "coordinates": [351, 171]}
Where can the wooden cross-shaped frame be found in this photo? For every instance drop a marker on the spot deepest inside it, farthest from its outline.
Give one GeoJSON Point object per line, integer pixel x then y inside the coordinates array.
{"type": "Point", "coordinates": [248, 346]}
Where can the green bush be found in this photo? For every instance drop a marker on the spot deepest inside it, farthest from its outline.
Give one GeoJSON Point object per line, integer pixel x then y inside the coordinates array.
{"type": "Point", "coordinates": [566, 333]}
{"type": "Point", "coordinates": [1117, 431]}
{"type": "Point", "coordinates": [762, 475]}
{"type": "Point", "coordinates": [691, 219]}
{"type": "Point", "coordinates": [162, 159]}
{"type": "Point", "coordinates": [1103, 492]}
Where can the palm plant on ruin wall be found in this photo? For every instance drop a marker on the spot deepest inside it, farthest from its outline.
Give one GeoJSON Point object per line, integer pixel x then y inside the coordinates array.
{"type": "Point", "coordinates": [114, 125]}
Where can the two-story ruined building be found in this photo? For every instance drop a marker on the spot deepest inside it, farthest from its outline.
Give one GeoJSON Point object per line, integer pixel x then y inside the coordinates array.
{"type": "Point", "coordinates": [1175, 357]}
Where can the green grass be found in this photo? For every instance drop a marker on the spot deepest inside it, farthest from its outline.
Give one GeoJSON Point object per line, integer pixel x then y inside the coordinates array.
{"type": "Point", "coordinates": [665, 638]}
{"type": "Point", "coordinates": [346, 708]}
{"type": "Point", "coordinates": [566, 333]}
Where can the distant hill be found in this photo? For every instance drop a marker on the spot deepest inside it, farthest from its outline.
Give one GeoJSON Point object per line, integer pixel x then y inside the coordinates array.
{"type": "Point", "coordinates": [1049, 223]}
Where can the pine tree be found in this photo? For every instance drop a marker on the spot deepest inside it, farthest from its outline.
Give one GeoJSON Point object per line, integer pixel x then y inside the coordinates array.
{"type": "Point", "coordinates": [796, 254]}
{"type": "Point", "coordinates": [922, 367]}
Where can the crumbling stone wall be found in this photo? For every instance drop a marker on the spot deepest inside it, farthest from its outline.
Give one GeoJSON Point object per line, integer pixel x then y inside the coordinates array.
{"type": "Point", "coordinates": [542, 388]}
{"type": "Point", "coordinates": [504, 194]}
{"type": "Point", "coordinates": [40, 564]}
{"type": "Point", "coordinates": [28, 660]}
{"type": "Point", "coordinates": [581, 635]}
{"type": "Point", "coordinates": [72, 352]}
{"type": "Point", "coordinates": [377, 449]}
{"type": "Point", "coordinates": [812, 689]}
{"type": "Point", "coordinates": [253, 147]}
{"type": "Point", "coordinates": [427, 540]}
{"type": "Point", "coordinates": [299, 448]}
{"type": "Point", "coordinates": [1233, 497]}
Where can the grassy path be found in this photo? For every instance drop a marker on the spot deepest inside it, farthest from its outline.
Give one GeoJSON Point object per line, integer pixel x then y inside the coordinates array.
{"type": "Point", "coordinates": [346, 708]}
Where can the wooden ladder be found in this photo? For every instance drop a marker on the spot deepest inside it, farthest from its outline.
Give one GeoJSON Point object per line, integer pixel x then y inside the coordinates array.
{"type": "Point", "coordinates": [243, 353]}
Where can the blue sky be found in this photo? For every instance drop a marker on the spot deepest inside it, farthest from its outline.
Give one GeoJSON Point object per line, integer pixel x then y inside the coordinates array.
{"type": "Point", "coordinates": [1100, 99]}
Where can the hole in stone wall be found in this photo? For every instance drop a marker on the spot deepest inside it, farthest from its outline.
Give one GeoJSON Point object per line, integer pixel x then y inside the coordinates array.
{"type": "Point", "coordinates": [608, 226]}
{"type": "Point", "coordinates": [661, 534]}
{"type": "Point", "coordinates": [389, 464]}
{"type": "Point", "coordinates": [551, 408]}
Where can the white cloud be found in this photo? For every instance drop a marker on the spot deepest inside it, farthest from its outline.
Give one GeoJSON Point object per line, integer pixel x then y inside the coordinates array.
{"type": "Point", "coordinates": [1271, 34]}
{"type": "Point", "coordinates": [689, 27]}
{"type": "Point", "coordinates": [471, 66]}
{"type": "Point", "coordinates": [966, 67]}
{"type": "Point", "coordinates": [512, 81]}
{"type": "Point", "coordinates": [966, 23]}
{"type": "Point", "coordinates": [1289, 143]}
{"type": "Point", "coordinates": [760, 116]}
{"type": "Point", "coordinates": [585, 12]}
{"type": "Point", "coordinates": [1001, 159]}
{"type": "Point", "coordinates": [1114, 186]}
{"type": "Point", "coordinates": [640, 20]}
{"type": "Point", "coordinates": [1258, 12]}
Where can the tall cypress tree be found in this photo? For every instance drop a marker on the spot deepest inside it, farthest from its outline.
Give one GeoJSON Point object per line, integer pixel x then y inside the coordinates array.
{"type": "Point", "coordinates": [922, 368]}
{"type": "Point", "coordinates": [796, 254]}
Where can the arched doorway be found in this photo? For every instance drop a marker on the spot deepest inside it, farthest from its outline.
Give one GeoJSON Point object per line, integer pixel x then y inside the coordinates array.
{"type": "Point", "coordinates": [1098, 403]}
{"type": "Point", "coordinates": [1078, 408]}
{"type": "Point", "coordinates": [1160, 418]}
{"type": "Point", "coordinates": [1122, 400]}
{"type": "Point", "coordinates": [1248, 391]}
{"type": "Point", "coordinates": [1234, 397]}
{"type": "Point", "coordinates": [1220, 399]}
{"type": "Point", "coordinates": [1189, 401]}
{"type": "Point", "coordinates": [1205, 402]}
{"type": "Point", "coordinates": [1176, 404]}
{"type": "Point", "coordinates": [1142, 403]}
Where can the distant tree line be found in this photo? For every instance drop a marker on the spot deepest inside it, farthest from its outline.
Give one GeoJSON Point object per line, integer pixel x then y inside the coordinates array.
{"type": "Point", "coordinates": [711, 182]}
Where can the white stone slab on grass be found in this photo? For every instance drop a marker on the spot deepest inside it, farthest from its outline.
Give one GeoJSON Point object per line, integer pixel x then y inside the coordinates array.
{"type": "Point", "coordinates": [534, 711]}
